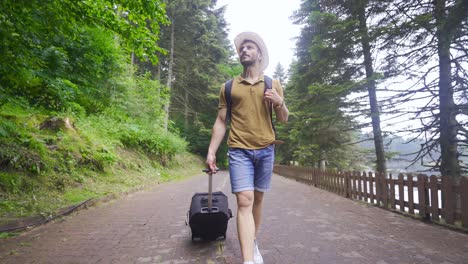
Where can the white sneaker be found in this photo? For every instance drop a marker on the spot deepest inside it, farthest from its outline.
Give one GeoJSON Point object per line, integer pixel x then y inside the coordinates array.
{"type": "Point", "coordinates": [258, 259]}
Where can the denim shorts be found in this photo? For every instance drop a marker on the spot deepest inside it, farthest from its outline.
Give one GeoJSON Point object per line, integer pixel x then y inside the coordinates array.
{"type": "Point", "coordinates": [251, 169]}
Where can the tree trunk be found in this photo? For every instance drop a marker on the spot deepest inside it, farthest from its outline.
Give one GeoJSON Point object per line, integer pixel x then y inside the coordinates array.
{"type": "Point", "coordinates": [158, 73]}
{"type": "Point", "coordinates": [169, 77]}
{"type": "Point", "coordinates": [186, 111]}
{"type": "Point", "coordinates": [448, 124]}
{"type": "Point", "coordinates": [322, 163]}
{"type": "Point", "coordinates": [371, 85]}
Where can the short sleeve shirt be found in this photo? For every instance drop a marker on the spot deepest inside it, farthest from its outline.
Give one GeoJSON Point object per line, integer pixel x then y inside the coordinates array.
{"type": "Point", "coordinates": [251, 126]}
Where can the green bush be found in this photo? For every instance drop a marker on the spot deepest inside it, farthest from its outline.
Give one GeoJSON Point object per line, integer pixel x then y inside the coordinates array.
{"type": "Point", "coordinates": [19, 149]}
{"type": "Point", "coordinates": [155, 142]}
{"type": "Point", "coordinates": [10, 182]}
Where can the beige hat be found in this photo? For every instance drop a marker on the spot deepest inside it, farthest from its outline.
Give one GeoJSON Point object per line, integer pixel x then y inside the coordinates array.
{"type": "Point", "coordinates": [254, 37]}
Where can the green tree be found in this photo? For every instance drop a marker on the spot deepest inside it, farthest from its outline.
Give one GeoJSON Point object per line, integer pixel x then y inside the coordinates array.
{"type": "Point", "coordinates": [280, 73]}
{"type": "Point", "coordinates": [319, 131]}
{"type": "Point", "coordinates": [57, 53]}
{"type": "Point", "coordinates": [428, 38]}
{"type": "Point", "coordinates": [328, 70]}
{"type": "Point", "coordinates": [200, 64]}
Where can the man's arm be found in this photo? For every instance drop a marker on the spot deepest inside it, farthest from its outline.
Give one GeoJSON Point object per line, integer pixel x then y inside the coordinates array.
{"type": "Point", "coordinates": [217, 135]}
{"type": "Point", "coordinates": [276, 98]}
{"type": "Point", "coordinates": [281, 111]}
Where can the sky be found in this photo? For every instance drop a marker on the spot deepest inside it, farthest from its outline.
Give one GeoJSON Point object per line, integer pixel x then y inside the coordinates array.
{"type": "Point", "coordinates": [269, 19]}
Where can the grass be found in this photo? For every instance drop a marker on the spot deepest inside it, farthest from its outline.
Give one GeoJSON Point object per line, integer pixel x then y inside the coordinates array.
{"type": "Point", "coordinates": [50, 161]}
{"type": "Point", "coordinates": [8, 234]}
{"type": "Point", "coordinates": [118, 179]}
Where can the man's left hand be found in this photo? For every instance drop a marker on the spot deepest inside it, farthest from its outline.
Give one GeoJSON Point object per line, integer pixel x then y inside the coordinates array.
{"type": "Point", "coordinates": [272, 96]}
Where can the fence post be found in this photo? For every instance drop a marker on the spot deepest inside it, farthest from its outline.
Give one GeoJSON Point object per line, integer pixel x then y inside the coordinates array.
{"type": "Point", "coordinates": [343, 184]}
{"type": "Point", "coordinates": [423, 197]}
{"type": "Point", "coordinates": [434, 198]}
{"type": "Point", "coordinates": [359, 185]}
{"type": "Point", "coordinates": [391, 192]}
{"type": "Point", "coordinates": [355, 187]}
{"type": "Point", "coordinates": [371, 187]}
{"type": "Point", "coordinates": [401, 192]}
{"type": "Point", "coordinates": [347, 185]}
{"type": "Point", "coordinates": [366, 193]}
{"type": "Point", "coordinates": [409, 180]}
{"type": "Point", "coordinates": [377, 188]}
{"type": "Point", "coordinates": [448, 199]}
{"type": "Point", "coordinates": [312, 177]}
{"type": "Point", "coordinates": [317, 177]}
{"type": "Point", "coordinates": [464, 200]}
{"type": "Point", "coordinates": [384, 186]}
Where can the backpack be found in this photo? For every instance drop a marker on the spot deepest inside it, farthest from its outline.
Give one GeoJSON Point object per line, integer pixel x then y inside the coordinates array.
{"type": "Point", "coordinates": [227, 94]}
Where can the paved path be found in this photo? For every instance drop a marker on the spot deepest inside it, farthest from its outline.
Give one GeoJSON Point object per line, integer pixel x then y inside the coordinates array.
{"type": "Point", "coordinates": [301, 225]}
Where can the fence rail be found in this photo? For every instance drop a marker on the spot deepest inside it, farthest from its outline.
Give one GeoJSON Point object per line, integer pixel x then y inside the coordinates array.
{"type": "Point", "coordinates": [439, 199]}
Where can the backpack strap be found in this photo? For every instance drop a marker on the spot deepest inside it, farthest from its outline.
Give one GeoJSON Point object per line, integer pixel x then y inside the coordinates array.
{"type": "Point", "coordinates": [268, 82]}
{"type": "Point", "coordinates": [269, 85]}
{"type": "Point", "coordinates": [227, 95]}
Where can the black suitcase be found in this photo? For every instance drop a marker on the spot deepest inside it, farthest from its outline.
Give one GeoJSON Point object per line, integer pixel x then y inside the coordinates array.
{"type": "Point", "coordinates": [209, 220]}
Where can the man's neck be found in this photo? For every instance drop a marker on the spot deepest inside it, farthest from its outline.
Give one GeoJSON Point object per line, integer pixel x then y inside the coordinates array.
{"type": "Point", "coordinates": [251, 73]}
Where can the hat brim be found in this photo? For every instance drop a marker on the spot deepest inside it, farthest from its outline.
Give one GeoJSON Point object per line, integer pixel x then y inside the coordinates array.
{"type": "Point", "coordinates": [254, 37]}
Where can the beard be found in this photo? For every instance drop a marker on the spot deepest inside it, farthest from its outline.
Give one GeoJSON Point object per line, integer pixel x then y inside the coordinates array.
{"type": "Point", "coordinates": [247, 63]}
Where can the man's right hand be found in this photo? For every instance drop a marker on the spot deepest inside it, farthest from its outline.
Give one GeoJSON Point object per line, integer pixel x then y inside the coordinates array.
{"type": "Point", "coordinates": [211, 163]}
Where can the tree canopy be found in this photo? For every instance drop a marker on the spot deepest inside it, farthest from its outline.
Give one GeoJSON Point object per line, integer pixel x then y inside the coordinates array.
{"type": "Point", "coordinates": [346, 47]}
{"type": "Point", "coordinates": [58, 52]}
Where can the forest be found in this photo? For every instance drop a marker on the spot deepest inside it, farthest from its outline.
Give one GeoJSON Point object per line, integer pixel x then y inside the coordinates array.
{"type": "Point", "coordinates": [106, 93]}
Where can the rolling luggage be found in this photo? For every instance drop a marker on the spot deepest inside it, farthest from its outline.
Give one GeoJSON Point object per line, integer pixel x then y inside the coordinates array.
{"type": "Point", "coordinates": [209, 214]}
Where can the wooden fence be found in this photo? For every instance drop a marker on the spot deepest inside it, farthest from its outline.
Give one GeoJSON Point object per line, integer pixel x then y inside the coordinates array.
{"type": "Point", "coordinates": [440, 199]}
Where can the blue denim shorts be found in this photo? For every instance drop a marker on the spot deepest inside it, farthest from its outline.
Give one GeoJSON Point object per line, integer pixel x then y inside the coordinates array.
{"type": "Point", "coordinates": [251, 169]}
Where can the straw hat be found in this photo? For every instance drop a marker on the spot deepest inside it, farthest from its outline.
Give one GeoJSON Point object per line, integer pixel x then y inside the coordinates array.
{"type": "Point", "coordinates": [254, 37]}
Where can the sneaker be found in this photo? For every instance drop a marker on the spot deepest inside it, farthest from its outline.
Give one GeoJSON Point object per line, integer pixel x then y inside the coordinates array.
{"type": "Point", "coordinates": [258, 259]}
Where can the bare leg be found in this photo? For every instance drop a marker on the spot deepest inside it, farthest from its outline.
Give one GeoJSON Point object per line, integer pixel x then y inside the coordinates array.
{"type": "Point", "coordinates": [245, 223]}
{"type": "Point", "coordinates": [257, 210]}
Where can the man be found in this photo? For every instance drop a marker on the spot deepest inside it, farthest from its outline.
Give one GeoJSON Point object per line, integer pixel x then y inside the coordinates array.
{"type": "Point", "coordinates": [251, 138]}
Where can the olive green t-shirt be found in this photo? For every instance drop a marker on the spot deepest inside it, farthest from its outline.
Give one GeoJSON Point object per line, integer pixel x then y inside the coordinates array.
{"type": "Point", "coordinates": [251, 126]}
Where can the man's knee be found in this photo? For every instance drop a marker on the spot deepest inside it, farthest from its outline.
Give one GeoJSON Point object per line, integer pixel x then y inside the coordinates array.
{"type": "Point", "coordinates": [245, 199]}
{"type": "Point", "coordinates": [258, 197]}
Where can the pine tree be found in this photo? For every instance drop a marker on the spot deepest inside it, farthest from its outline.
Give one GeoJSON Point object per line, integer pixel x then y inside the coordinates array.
{"type": "Point", "coordinates": [334, 52]}
{"type": "Point", "coordinates": [280, 73]}
{"type": "Point", "coordinates": [428, 39]}
{"type": "Point", "coordinates": [200, 52]}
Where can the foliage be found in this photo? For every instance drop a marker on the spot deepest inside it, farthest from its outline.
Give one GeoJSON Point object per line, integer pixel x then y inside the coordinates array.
{"type": "Point", "coordinates": [133, 172]}
{"type": "Point", "coordinates": [428, 44]}
{"type": "Point", "coordinates": [280, 74]}
{"type": "Point", "coordinates": [201, 65]}
{"type": "Point", "coordinates": [154, 142]}
{"type": "Point", "coordinates": [72, 110]}
{"type": "Point", "coordinates": [360, 44]}
{"type": "Point", "coordinates": [41, 167]}
{"type": "Point", "coordinates": [325, 74]}
{"type": "Point", "coordinates": [57, 54]}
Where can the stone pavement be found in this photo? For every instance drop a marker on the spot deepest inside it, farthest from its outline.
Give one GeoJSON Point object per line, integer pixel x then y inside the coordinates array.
{"type": "Point", "coordinates": [301, 225]}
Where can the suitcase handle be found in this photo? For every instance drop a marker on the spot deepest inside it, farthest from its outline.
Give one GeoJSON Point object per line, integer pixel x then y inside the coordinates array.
{"type": "Point", "coordinates": [205, 210]}
{"type": "Point", "coordinates": [208, 170]}
{"type": "Point", "coordinates": [210, 192]}
{"type": "Point", "coordinates": [210, 184]}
